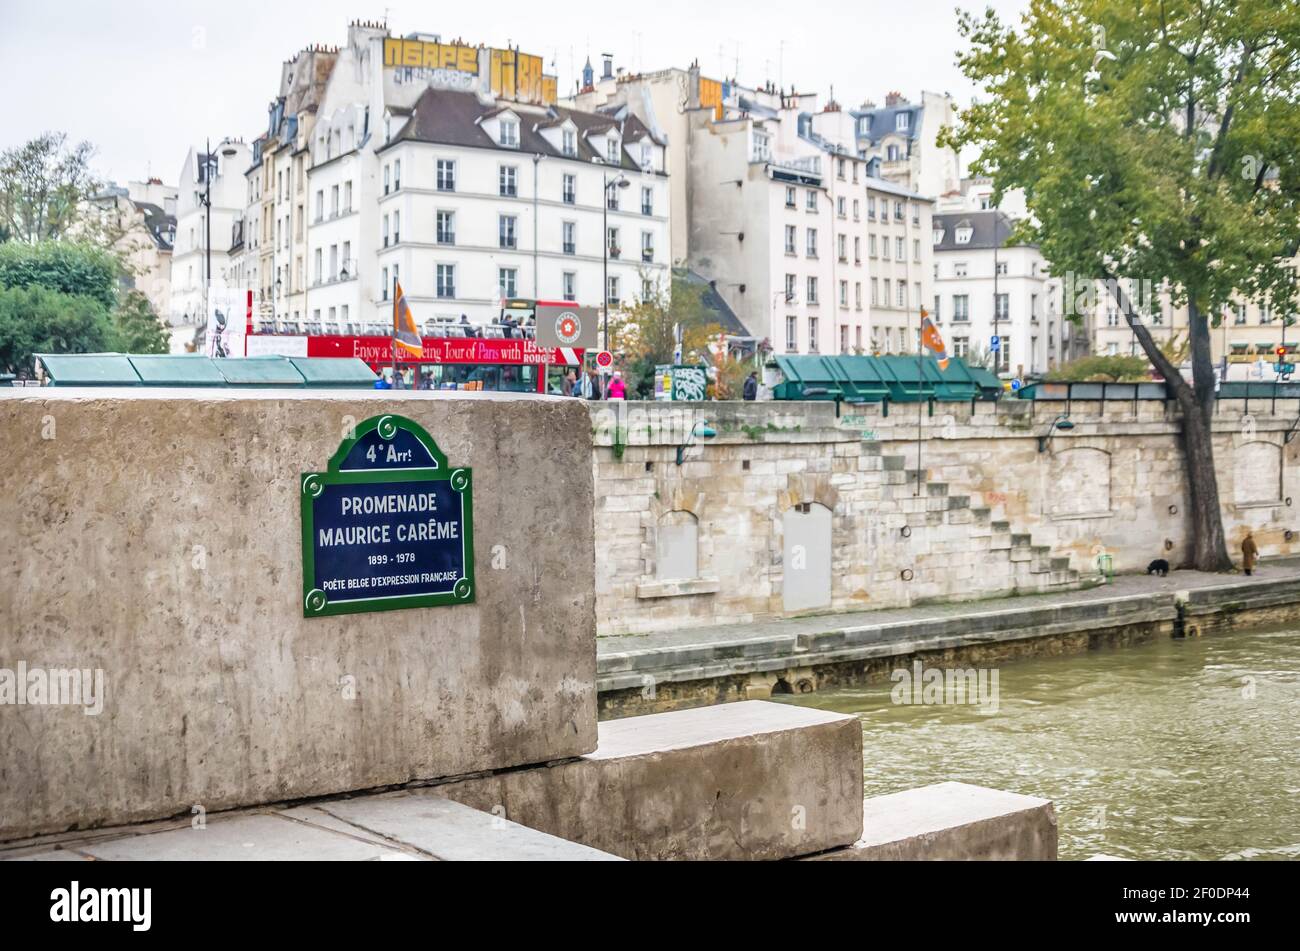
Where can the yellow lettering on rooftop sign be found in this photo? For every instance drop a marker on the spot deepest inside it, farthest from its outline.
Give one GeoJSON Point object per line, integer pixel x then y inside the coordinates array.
{"type": "Point", "coordinates": [511, 75]}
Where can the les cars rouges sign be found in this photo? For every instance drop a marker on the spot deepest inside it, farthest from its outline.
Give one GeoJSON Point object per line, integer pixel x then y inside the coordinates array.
{"type": "Point", "coordinates": [389, 525]}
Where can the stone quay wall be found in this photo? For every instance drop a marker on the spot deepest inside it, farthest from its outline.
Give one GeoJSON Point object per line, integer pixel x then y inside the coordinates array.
{"type": "Point", "coordinates": [793, 508]}
{"type": "Point", "coordinates": [155, 536]}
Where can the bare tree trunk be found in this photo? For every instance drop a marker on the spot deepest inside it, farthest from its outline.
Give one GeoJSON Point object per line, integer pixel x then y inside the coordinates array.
{"type": "Point", "coordinates": [1196, 406]}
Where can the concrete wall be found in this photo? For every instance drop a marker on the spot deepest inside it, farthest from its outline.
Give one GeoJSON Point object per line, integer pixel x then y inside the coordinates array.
{"type": "Point", "coordinates": [156, 535]}
{"type": "Point", "coordinates": [994, 515]}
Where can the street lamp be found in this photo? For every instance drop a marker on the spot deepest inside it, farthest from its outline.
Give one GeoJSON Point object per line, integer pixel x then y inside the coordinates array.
{"type": "Point", "coordinates": [618, 181]}
{"type": "Point", "coordinates": [1062, 423]}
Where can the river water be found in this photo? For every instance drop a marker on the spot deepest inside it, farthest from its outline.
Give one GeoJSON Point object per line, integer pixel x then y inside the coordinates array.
{"type": "Point", "coordinates": [1175, 749]}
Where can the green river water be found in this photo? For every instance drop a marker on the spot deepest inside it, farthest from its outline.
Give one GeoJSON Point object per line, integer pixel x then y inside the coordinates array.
{"type": "Point", "coordinates": [1176, 749]}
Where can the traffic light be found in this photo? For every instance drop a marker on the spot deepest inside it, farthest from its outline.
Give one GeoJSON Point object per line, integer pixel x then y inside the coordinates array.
{"type": "Point", "coordinates": [1281, 353]}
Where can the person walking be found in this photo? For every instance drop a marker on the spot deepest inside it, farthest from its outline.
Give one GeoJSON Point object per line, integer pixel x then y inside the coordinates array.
{"type": "Point", "coordinates": [750, 391]}
{"type": "Point", "coordinates": [617, 391]}
{"type": "Point", "coordinates": [1249, 553]}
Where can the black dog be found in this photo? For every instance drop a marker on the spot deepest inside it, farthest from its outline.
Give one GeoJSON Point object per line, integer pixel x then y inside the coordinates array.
{"type": "Point", "coordinates": [1158, 567]}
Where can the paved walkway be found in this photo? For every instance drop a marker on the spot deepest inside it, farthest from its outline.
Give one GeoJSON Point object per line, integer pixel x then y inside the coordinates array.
{"type": "Point", "coordinates": [717, 647]}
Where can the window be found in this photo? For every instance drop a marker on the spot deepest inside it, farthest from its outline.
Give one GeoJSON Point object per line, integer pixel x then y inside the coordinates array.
{"type": "Point", "coordinates": [611, 242]}
{"type": "Point", "coordinates": [334, 200]}
{"type": "Point", "coordinates": [812, 290]}
{"type": "Point", "coordinates": [857, 205]}
{"type": "Point", "coordinates": [789, 196]}
{"type": "Point", "coordinates": [790, 238]}
{"type": "Point", "coordinates": [611, 197]}
{"type": "Point", "coordinates": [902, 294]}
{"type": "Point", "coordinates": [938, 317]}
{"type": "Point", "coordinates": [964, 233]}
{"type": "Point", "coordinates": [647, 247]}
{"type": "Point", "coordinates": [812, 335]}
{"type": "Point", "coordinates": [900, 252]}
{"type": "Point", "coordinates": [385, 231]}
{"type": "Point", "coordinates": [960, 308]}
{"type": "Point", "coordinates": [569, 189]}
{"type": "Point", "coordinates": [1004, 355]}
{"type": "Point", "coordinates": [446, 177]}
{"type": "Point", "coordinates": [842, 247]}
{"type": "Point", "coordinates": [446, 232]}
{"type": "Point", "coordinates": [647, 155]}
{"type": "Point", "coordinates": [792, 335]}
{"type": "Point", "coordinates": [961, 347]}
{"type": "Point", "coordinates": [647, 200]}
{"type": "Point", "coordinates": [789, 288]}
{"type": "Point", "coordinates": [884, 248]}
{"type": "Point", "coordinates": [959, 269]}
{"type": "Point", "coordinates": [1001, 306]}
{"type": "Point", "coordinates": [569, 238]}
{"type": "Point", "coordinates": [388, 169]}
{"type": "Point", "coordinates": [1002, 268]}
{"type": "Point", "coordinates": [1238, 313]}
{"type": "Point", "coordinates": [384, 286]}
{"type": "Point", "coordinates": [812, 242]}
{"type": "Point", "coordinates": [320, 203]}
{"type": "Point", "coordinates": [857, 250]}
{"type": "Point", "coordinates": [1033, 307]}
{"type": "Point", "coordinates": [871, 208]}
{"type": "Point", "coordinates": [839, 169]}
{"type": "Point", "coordinates": [569, 285]}
{"type": "Point", "coordinates": [844, 338]}
{"type": "Point", "coordinates": [569, 145]}
{"type": "Point", "coordinates": [611, 291]}
{"type": "Point", "coordinates": [762, 147]}
{"type": "Point", "coordinates": [447, 280]}
{"type": "Point", "coordinates": [844, 293]}
{"type": "Point", "coordinates": [875, 287]}
{"type": "Point", "coordinates": [506, 280]}
{"type": "Point", "coordinates": [871, 245]}
{"type": "Point", "coordinates": [397, 174]}
{"type": "Point", "coordinates": [506, 231]}
{"type": "Point", "coordinates": [841, 207]}
{"type": "Point", "coordinates": [902, 122]}
{"type": "Point", "coordinates": [916, 250]}
{"type": "Point", "coordinates": [647, 289]}
{"type": "Point", "coordinates": [347, 196]}
{"type": "Point", "coordinates": [508, 181]}
{"type": "Point", "coordinates": [857, 295]}
{"type": "Point", "coordinates": [936, 236]}
{"type": "Point", "coordinates": [319, 266]}
{"type": "Point", "coordinates": [898, 211]}
{"type": "Point", "coordinates": [811, 202]}
{"type": "Point", "coordinates": [892, 153]}
{"type": "Point", "coordinates": [612, 150]}
{"type": "Point", "coordinates": [509, 134]}
{"type": "Point", "coordinates": [397, 227]}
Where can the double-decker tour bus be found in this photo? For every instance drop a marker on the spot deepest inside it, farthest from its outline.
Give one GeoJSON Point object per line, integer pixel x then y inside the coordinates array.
{"type": "Point", "coordinates": [457, 356]}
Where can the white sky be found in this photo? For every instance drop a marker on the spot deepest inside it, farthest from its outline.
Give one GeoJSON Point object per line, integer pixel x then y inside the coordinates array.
{"type": "Point", "coordinates": [144, 80]}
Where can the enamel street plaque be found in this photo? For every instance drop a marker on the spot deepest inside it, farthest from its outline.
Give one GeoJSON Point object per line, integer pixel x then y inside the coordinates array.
{"type": "Point", "coordinates": [388, 526]}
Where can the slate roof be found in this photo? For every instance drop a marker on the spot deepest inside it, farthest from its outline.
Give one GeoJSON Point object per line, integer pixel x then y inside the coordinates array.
{"type": "Point", "coordinates": [450, 117]}
{"type": "Point", "coordinates": [881, 122]}
{"type": "Point", "coordinates": [720, 310]}
{"type": "Point", "coordinates": [982, 222]}
{"type": "Point", "coordinates": [162, 226]}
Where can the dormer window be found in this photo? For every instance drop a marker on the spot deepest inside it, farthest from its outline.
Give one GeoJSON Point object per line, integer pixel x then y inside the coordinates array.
{"type": "Point", "coordinates": [964, 233]}
{"type": "Point", "coordinates": [570, 142]}
{"type": "Point", "coordinates": [902, 122]}
{"type": "Point", "coordinates": [647, 155]}
{"type": "Point", "coordinates": [508, 136]}
{"type": "Point", "coordinates": [938, 236]}
{"type": "Point", "coordinates": [612, 150]}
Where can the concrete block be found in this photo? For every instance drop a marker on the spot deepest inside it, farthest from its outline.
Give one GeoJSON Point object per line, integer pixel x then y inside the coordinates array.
{"type": "Point", "coordinates": [954, 822]}
{"type": "Point", "coordinates": [169, 556]}
{"type": "Point", "coordinates": [440, 828]}
{"type": "Point", "coordinates": [266, 838]}
{"type": "Point", "coordinates": [748, 780]}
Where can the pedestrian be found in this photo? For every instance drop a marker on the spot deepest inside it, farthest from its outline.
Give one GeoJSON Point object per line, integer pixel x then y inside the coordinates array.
{"type": "Point", "coordinates": [617, 391]}
{"type": "Point", "coordinates": [1249, 552]}
{"type": "Point", "coordinates": [751, 386]}
{"type": "Point", "coordinates": [590, 386]}
{"type": "Point", "coordinates": [571, 384]}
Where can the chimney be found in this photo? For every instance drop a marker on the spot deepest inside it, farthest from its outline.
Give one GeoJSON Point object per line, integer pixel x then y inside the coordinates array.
{"type": "Point", "coordinates": [608, 70]}
{"type": "Point", "coordinates": [893, 99]}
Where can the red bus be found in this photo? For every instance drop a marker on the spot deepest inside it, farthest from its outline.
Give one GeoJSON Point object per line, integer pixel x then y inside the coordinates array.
{"type": "Point", "coordinates": [457, 356]}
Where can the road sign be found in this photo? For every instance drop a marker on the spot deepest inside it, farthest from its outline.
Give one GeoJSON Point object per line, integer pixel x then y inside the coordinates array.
{"type": "Point", "coordinates": [604, 361]}
{"type": "Point", "coordinates": [566, 326]}
{"type": "Point", "coordinates": [389, 525]}
{"type": "Point", "coordinates": [1016, 386]}
{"type": "Point", "coordinates": [1284, 368]}
{"type": "Point", "coordinates": [995, 343]}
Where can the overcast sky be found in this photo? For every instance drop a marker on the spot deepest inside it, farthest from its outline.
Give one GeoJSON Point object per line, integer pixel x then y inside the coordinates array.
{"type": "Point", "coordinates": [144, 80]}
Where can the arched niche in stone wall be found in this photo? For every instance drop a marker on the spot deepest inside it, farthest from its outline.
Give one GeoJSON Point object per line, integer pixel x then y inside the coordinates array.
{"type": "Point", "coordinates": [1078, 482]}
{"type": "Point", "coordinates": [677, 546]}
{"type": "Point", "coordinates": [1257, 473]}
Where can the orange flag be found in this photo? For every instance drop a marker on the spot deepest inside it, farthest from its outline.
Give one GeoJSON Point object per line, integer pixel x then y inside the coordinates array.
{"type": "Point", "coordinates": [405, 335]}
{"type": "Point", "coordinates": [932, 340]}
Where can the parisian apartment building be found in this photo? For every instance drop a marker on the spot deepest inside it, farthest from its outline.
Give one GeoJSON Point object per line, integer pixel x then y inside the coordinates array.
{"type": "Point", "coordinates": [447, 167]}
